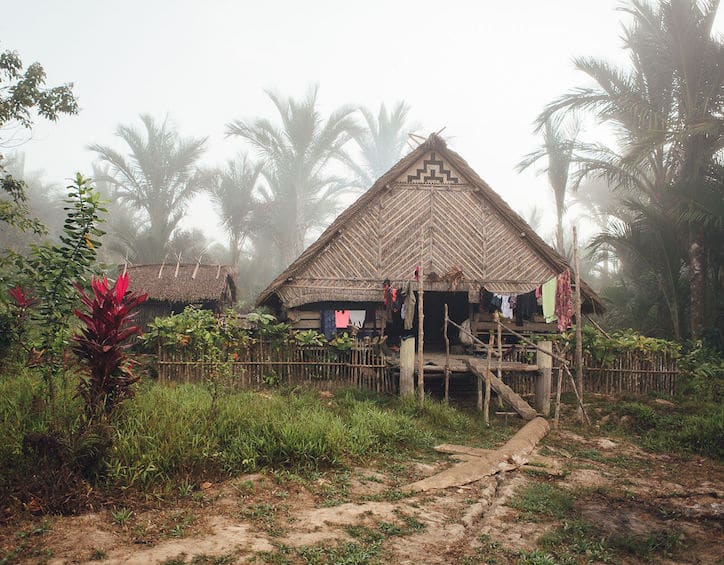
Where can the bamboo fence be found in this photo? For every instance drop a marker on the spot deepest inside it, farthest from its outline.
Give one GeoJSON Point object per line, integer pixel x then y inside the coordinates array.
{"type": "Point", "coordinates": [265, 363]}
{"type": "Point", "coordinates": [626, 372]}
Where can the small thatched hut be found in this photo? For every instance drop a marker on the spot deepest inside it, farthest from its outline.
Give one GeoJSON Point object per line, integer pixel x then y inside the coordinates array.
{"type": "Point", "coordinates": [430, 209]}
{"type": "Point", "coordinates": [171, 288]}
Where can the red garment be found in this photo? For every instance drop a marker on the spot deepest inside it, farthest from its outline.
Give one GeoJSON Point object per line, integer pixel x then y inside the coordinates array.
{"type": "Point", "coordinates": [564, 303]}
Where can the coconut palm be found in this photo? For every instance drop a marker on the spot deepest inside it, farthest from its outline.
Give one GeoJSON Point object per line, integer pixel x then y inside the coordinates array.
{"type": "Point", "coordinates": [668, 110]}
{"type": "Point", "coordinates": [156, 180]}
{"type": "Point", "coordinates": [558, 143]}
{"type": "Point", "coordinates": [300, 193]}
{"type": "Point", "coordinates": [381, 141]}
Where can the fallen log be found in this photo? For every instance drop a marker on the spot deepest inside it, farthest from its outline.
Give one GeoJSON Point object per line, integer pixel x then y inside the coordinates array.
{"type": "Point", "coordinates": [511, 456]}
{"type": "Point", "coordinates": [504, 391]}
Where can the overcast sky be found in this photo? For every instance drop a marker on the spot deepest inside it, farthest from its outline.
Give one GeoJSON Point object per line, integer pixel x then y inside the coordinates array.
{"type": "Point", "coordinates": [481, 69]}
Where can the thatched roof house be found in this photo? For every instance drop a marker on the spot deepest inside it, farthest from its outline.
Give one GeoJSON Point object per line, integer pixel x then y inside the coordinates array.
{"type": "Point", "coordinates": [430, 208]}
{"type": "Point", "coordinates": [171, 288]}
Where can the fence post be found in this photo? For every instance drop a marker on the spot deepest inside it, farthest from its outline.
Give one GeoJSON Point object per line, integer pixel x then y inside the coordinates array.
{"type": "Point", "coordinates": [543, 382]}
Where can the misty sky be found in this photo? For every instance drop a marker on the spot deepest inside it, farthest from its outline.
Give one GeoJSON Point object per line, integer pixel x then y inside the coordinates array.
{"type": "Point", "coordinates": [481, 69]}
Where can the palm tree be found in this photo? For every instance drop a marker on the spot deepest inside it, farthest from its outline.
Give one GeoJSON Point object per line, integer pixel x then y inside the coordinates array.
{"type": "Point", "coordinates": [233, 193]}
{"type": "Point", "coordinates": [381, 141]}
{"type": "Point", "coordinates": [557, 148]}
{"type": "Point", "coordinates": [156, 180]}
{"type": "Point", "coordinates": [668, 111]}
{"type": "Point", "coordinates": [300, 193]}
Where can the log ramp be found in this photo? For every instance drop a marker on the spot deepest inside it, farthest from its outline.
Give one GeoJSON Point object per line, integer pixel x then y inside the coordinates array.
{"type": "Point", "coordinates": [483, 463]}
{"type": "Point", "coordinates": [509, 396]}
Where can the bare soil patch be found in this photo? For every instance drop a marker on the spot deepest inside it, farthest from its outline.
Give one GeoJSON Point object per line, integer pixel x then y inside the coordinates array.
{"type": "Point", "coordinates": [649, 508]}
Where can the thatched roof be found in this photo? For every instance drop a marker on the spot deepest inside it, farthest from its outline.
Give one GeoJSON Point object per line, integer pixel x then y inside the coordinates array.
{"type": "Point", "coordinates": [187, 283]}
{"type": "Point", "coordinates": [430, 199]}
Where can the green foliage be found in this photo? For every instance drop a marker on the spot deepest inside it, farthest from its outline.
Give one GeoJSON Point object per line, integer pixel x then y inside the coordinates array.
{"type": "Point", "coordinates": [54, 270]}
{"type": "Point", "coordinates": [665, 430]}
{"type": "Point", "coordinates": [310, 338]}
{"type": "Point", "coordinates": [23, 93]}
{"type": "Point", "coordinates": [702, 374]}
{"type": "Point", "coordinates": [543, 499]}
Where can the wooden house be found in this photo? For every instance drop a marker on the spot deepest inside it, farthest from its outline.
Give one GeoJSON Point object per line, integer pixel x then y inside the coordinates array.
{"type": "Point", "coordinates": [171, 288]}
{"type": "Point", "coordinates": [430, 209]}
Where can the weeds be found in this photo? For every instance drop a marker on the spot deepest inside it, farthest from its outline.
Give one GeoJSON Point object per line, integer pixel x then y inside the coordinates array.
{"type": "Point", "coordinates": [121, 516]}
{"type": "Point", "coordinates": [543, 500]}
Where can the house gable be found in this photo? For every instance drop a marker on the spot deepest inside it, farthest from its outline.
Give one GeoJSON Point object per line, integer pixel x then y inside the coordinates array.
{"type": "Point", "coordinates": [430, 206]}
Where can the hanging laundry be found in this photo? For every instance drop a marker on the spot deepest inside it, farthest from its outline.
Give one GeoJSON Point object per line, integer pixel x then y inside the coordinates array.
{"type": "Point", "coordinates": [564, 303]}
{"type": "Point", "coordinates": [525, 308]}
{"type": "Point", "coordinates": [341, 318]}
{"type": "Point", "coordinates": [357, 318]}
{"type": "Point", "coordinates": [548, 292]}
{"type": "Point", "coordinates": [505, 308]}
{"type": "Point", "coordinates": [486, 300]}
{"type": "Point", "coordinates": [409, 307]}
{"type": "Point", "coordinates": [327, 323]}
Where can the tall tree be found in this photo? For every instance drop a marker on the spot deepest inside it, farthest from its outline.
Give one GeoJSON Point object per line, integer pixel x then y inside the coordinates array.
{"type": "Point", "coordinates": [557, 148]}
{"type": "Point", "coordinates": [232, 191]}
{"type": "Point", "coordinates": [300, 192]}
{"type": "Point", "coordinates": [156, 179]}
{"type": "Point", "coordinates": [381, 141]}
{"type": "Point", "coordinates": [669, 114]}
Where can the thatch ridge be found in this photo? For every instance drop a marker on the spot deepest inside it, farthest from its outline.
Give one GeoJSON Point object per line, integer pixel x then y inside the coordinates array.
{"type": "Point", "coordinates": [211, 283]}
{"type": "Point", "coordinates": [433, 143]}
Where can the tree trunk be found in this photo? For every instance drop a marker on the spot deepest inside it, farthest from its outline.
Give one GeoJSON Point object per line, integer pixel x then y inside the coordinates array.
{"type": "Point", "coordinates": [697, 282]}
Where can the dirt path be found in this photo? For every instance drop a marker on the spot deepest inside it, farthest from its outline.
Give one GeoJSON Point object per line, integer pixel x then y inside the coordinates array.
{"type": "Point", "coordinates": [649, 508]}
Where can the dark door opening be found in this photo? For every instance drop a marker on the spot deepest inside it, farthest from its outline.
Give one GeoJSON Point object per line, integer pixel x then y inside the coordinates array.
{"type": "Point", "coordinates": [458, 310]}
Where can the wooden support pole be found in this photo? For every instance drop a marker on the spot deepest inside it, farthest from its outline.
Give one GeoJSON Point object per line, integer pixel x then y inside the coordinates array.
{"type": "Point", "coordinates": [486, 409]}
{"type": "Point", "coordinates": [558, 395]}
{"type": "Point", "coordinates": [447, 358]}
{"type": "Point", "coordinates": [579, 331]}
{"type": "Point", "coordinates": [543, 382]}
{"type": "Point", "coordinates": [421, 327]}
{"type": "Point", "coordinates": [500, 356]}
{"type": "Point", "coordinates": [407, 367]}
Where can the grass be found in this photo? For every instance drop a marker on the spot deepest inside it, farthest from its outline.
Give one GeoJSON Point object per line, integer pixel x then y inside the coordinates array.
{"type": "Point", "coordinates": [543, 500]}
{"type": "Point", "coordinates": [175, 437]}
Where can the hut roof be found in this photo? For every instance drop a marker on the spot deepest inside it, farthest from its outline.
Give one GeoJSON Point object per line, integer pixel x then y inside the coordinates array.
{"type": "Point", "coordinates": [192, 283]}
{"type": "Point", "coordinates": [433, 150]}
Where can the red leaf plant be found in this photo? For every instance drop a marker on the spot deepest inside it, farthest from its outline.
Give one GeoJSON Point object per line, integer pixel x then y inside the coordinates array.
{"type": "Point", "coordinates": [103, 341]}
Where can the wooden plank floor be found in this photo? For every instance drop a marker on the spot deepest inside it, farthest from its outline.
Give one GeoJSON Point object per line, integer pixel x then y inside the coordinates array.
{"type": "Point", "coordinates": [435, 362]}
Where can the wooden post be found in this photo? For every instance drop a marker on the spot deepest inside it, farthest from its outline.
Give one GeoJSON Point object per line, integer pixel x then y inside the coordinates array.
{"type": "Point", "coordinates": [579, 332]}
{"type": "Point", "coordinates": [407, 367]}
{"type": "Point", "coordinates": [543, 382]}
{"type": "Point", "coordinates": [558, 396]}
{"type": "Point", "coordinates": [500, 355]}
{"type": "Point", "coordinates": [420, 340]}
{"type": "Point", "coordinates": [447, 359]}
{"type": "Point", "coordinates": [486, 408]}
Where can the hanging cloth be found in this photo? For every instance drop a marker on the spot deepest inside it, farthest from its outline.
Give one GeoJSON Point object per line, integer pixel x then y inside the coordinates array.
{"type": "Point", "coordinates": [548, 293]}
{"type": "Point", "coordinates": [564, 303]}
{"type": "Point", "coordinates": [328, 325]}
{"type": "Point", "coordinates": [341, 319]}
{"type": "Point", "coordinates": [409, 307]}
{"type": "Point", "coordinates": [506, 309]}
{"type": "Point", "coordinates": [357, 318]}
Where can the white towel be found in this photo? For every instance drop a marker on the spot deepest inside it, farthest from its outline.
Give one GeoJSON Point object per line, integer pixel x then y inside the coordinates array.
{"type": "Point", "coordinates": [357, 318]}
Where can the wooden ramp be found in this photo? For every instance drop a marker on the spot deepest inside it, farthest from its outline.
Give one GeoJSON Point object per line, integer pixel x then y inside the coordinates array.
{"type": "Point", "coordinates": [478, 368]}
